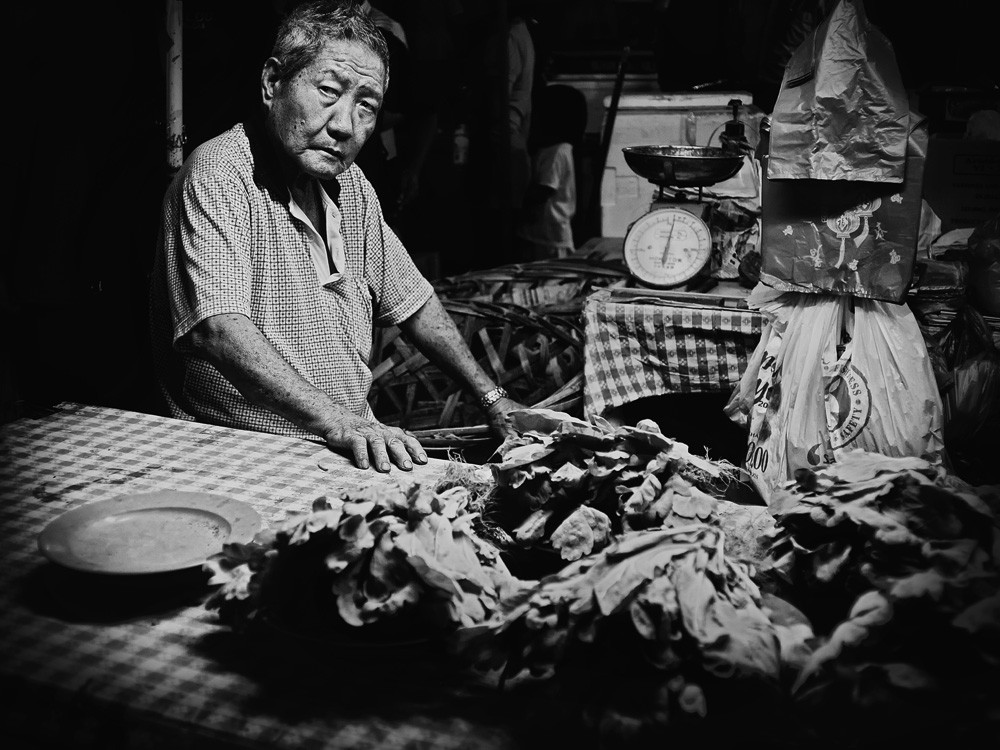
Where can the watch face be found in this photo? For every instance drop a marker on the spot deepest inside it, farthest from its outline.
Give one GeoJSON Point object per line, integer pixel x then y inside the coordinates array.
{"type": "Point", "coordinates": [667, 247]}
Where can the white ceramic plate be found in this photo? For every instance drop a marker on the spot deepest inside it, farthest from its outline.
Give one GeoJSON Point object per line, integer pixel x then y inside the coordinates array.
{"type": "Point", "coordinates": [152, 532]}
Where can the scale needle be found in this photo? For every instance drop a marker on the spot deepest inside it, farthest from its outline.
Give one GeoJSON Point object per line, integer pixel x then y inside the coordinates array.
{"type": "Point", "coordinates": [670, 235]}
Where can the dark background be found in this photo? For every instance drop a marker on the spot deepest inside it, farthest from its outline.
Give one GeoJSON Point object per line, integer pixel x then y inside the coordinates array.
{"type": "Point", "coordinates": [86, 143]}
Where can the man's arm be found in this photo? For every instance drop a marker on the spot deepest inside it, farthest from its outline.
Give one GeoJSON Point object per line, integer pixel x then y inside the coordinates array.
{"type": "Point", "coordinates": [237, 349]}
{"type": "Point", "coordinates": [437, 337]}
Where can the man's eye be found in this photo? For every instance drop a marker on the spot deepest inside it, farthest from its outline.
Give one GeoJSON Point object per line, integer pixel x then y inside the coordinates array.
{"type": "Point", "coordinates": [329, 92]}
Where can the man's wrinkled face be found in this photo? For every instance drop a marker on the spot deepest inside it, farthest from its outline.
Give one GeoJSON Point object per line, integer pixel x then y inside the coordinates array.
{"type": "Point", "coordinates": [322, 116]}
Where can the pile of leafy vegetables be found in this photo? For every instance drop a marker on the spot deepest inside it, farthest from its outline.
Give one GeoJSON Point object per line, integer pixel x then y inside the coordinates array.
{"type": "Point", "coordinates": [900, 560]}
{"type": "Point", "coordinates": [571, 486]}
{"type": "Point", "coordinates": [647, 635]}
{"type": "Point", "coordinates": [391, 560]}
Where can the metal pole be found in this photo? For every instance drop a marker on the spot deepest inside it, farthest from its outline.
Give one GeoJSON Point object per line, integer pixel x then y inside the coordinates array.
{"type": "Point", "coordinates": [175, 85]}
{"type": "Point", "coordinates": [609, 125]}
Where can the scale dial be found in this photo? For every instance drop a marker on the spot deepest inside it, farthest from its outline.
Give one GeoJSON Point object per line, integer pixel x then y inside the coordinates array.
{"type": "Point", "coordinates": [667, 247]}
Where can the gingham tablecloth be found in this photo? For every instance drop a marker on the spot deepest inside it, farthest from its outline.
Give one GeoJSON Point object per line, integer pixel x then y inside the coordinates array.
{"type": "Point", "coordinates": [651, 348]}
{"type": "Point", "coordinates": [153, 680]}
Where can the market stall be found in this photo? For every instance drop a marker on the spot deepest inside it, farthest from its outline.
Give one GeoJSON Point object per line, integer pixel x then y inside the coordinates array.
{"type": "Point", "coordinates": [644, 606]}
{"type": "Point", "coordinates": [592, 580]}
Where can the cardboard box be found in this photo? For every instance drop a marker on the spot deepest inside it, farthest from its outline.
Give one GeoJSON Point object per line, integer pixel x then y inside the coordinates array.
{"type": "Point", "coordinates": [962, 181]}
{"type": "Point", "coordinates": [841, 237]}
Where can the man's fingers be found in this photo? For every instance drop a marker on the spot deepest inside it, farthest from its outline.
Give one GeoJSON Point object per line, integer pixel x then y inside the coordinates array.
{"type": "Point", "coordinates": [359, 447]}
{"type": "Point", "coordinates": [380, 458]}
{"type": "Point", "coordinates": [379, 447]}
{"type": "Point", "coordinates": [399, 454]}
{"type": "Point", "coordinates": [414, 448]}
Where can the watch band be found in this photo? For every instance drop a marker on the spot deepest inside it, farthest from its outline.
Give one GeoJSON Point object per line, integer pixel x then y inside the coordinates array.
{"type": "Point", "coordinates": [491, 397]}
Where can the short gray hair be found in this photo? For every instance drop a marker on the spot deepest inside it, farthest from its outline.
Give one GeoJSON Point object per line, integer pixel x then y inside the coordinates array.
{"type": "Point", "coordinates": [310, 25]}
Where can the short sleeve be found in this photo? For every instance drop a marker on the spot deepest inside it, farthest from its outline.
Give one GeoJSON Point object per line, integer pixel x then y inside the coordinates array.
{"type": "Point", "coordinates": [397, 285]}
{"type": "Point", "coordinates": [209, 249]}
{"type": "Point", "coordinates": [551, 167]}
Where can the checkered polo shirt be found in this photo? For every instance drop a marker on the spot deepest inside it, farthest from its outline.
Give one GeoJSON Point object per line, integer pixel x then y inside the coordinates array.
{"type": "Point", "coordinates": [229, 244]}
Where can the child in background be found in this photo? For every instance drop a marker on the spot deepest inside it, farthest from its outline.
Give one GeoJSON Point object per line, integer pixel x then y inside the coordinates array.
{"type": "Point", "coordinates": [544, 227]}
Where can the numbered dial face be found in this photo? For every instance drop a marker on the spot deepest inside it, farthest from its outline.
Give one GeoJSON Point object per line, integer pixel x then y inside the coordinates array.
{"type": "Point", "coordinates": [667, 247]}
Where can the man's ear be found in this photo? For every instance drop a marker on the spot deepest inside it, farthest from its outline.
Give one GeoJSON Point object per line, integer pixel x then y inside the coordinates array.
{"type": "Point", "coordinates": [269, 79]}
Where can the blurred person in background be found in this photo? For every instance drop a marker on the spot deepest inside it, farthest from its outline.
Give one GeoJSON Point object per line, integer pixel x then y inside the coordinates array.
{"type": "Point", "coordinates": [544, 227]}
{"type": "Point", "coordinates": [520, 82]}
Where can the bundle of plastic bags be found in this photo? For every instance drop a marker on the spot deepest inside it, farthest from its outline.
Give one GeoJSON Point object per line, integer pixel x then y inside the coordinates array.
{"type": "Point", "coordinates": [833, 374]}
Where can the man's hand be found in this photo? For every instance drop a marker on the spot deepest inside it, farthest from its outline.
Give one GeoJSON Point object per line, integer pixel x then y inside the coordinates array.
{"type": "Point", "coordinates": [239, 350]}
{"type": "Point", "coordinates": [375, 444]}
{"type": "Point", "coordinates": [497, 417]}
{"type": "Point", "coordinates": [435, 334]}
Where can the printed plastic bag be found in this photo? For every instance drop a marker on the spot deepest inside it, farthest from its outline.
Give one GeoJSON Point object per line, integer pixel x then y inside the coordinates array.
{"type": "Point", "coordinates": [842, 192]}
{"type": "Point", "coordinates": [891, 370]}
{"type": "Point", "coordinates": [832, 375]}
{"type": "Point", "coordinates": [780, 396]}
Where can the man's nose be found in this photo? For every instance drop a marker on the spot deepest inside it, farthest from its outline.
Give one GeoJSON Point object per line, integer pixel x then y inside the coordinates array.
{"type": "Point", "coordinates": [341, 122]}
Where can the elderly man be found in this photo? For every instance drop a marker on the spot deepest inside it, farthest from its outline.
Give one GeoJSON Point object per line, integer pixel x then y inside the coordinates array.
{"type": "Point", "coordinates": [274, 261]}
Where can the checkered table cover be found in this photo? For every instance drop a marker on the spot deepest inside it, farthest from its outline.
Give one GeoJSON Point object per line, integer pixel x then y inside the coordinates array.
{"type": "Point", "coordinates": [147, 682]}
{"type": "Point", "coordinates": [633, 350]}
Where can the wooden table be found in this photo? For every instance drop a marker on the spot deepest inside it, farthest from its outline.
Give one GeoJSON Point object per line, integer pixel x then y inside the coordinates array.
{"type": "Point", "coordinates": [90, 660]}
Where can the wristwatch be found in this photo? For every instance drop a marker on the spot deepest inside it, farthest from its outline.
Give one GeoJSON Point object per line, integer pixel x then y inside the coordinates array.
{"type": "Point", "coordinates": [491, 397]}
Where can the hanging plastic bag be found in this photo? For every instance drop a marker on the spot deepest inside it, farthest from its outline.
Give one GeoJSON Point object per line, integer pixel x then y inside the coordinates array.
{"type": "Point", "coordinates": [834, 375]}
{"type": "Point", "coordinates": [780, 396]}
{"type": "Point", "coordinates": [842, 192]}
{"type": "Point", "coordinates": [887, 398]}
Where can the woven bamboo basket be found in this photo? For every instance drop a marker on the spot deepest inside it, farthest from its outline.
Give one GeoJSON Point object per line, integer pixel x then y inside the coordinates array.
{"type": "Point", "coordinates": [537, 358]}
{"type": "Point", "coordinates": [522, 322]}
{"type": "Point", "coordinates": [551, 287]}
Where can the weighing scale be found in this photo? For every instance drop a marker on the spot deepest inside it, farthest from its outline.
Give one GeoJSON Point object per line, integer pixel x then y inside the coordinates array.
{"type": "Point", "coordinates": [672, 244]}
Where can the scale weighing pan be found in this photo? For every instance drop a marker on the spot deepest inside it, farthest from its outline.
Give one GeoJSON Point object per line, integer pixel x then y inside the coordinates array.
{"type": "Point", "coordinates": [683, 166]}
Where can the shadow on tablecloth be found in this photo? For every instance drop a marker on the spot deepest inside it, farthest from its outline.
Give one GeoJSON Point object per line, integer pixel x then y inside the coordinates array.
{"type": "Point", "coordinates": [78, 597]}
